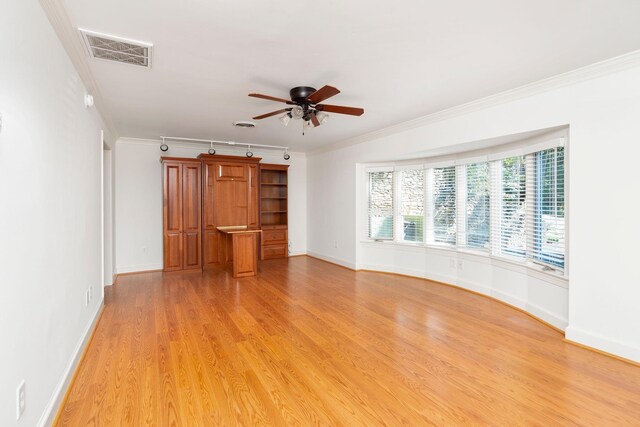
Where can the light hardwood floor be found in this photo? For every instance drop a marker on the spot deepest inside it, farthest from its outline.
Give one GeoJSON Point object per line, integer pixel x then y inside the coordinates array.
{"type": "Point", "coordinates": [310, 343]}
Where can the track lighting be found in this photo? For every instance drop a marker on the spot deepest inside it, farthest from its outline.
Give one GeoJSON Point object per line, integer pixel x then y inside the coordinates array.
{"type": "Point", "coordinates": [285, 119]}
{"type": "Point", "coordinates": [212, 150]}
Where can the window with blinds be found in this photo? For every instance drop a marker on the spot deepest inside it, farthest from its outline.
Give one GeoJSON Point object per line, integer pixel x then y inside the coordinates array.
{"type": "Point", "coordinates": [477, 213]}
{"type": "Point", "coordinates": [545, 184]}
{"type": "Point", "coordinates": [411, 204]}
{"type": "Point", "coordinates": [380, 210]}
{"type": "Point", "coordinates": [444, 205]}
{"type": "Point", "coordinates": [512, 207]}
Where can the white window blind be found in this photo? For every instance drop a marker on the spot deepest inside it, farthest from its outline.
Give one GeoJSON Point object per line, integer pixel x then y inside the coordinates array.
{"type": "Point", "coordinates": [510, 209]}
{"type": "Point", "coordinates": [545, 226]}
{"type": "Point", "coordinates": [444, 205]}
{"type": "Point", "coordinates": [477, 214]}
{"type": "Point", "coordinates": [380, 212]}
{"type": "Point", "coordinates": [411, 204]}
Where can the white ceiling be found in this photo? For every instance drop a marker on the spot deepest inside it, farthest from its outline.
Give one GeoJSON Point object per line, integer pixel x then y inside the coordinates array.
{"type": "Point", "coordinates": [397, 60]}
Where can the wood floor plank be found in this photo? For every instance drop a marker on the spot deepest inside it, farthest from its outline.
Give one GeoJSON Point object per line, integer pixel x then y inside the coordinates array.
{"type": "Point", "coordinates": [310, 343]}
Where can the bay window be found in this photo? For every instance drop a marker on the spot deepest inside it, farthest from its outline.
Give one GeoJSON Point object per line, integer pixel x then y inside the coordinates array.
{"type": "Point", "coordinates": [510, 206]}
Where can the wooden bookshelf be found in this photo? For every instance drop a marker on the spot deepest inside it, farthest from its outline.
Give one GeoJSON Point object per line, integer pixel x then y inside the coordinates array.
{"type": "Point", "coordinates": [274, 210]}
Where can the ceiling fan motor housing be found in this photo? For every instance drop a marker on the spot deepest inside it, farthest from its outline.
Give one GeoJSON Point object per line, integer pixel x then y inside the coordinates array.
{"type": "Point", "coordinates": [299, 94]}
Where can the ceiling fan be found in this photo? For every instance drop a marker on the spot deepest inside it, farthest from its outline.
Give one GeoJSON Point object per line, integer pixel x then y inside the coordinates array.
{"type": "Point", "coordinates": [306, 105]}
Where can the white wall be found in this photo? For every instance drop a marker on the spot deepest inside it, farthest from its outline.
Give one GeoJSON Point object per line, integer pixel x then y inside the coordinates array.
{"type": "Point", "coordinates": [50, 187]}
{"type": "Point", "coordinates": [601, 104]}
{"type": "Point", "coordinates": [139, 199]}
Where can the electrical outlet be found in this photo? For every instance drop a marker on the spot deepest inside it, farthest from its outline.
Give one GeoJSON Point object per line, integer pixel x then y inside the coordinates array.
{"type": "Point", "coordinates": [335, 244]}
{"type": "Point", "coordinates": [452, 263]}
{"type": "Point", "coordinates": [20, 400]}
{"type": "Point", "coordinates": [90, 293]}
{"type": "Point", "coordinates": [144, 249]}
{"type": "Point", "coordinates": [460, 264]}
{"type": "Point", "coordinates": [87, 296]}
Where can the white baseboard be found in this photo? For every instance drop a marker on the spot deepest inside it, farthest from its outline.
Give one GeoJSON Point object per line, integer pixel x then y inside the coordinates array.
{"type": "Point", "coordinates": [138, 268]}
{"type": "Point", "coordinates": [339, 261]}
{"type": "Point", "coordinates": [50, 411]}
{"type": "Point", "coordinates": [603, 343]}
{"type": "Point", "coordinates": [297, 253]}
{"type": "Point", "coordinates": [547, 316]}
{"type": "Point", "coordinates": [509, 299]}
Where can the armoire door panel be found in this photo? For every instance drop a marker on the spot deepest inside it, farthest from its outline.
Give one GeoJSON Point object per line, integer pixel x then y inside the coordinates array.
{"type": "Point", "coordinates": [191, 197]}
{"type": "Point", "coordinates": [173, 251]}
{"type": "Point", "coordinates": [230, 171]}
{"type": "Point", "coordinates": [173, 197]}
{"type": "Point", "coordinates": [211, 248]}
{"type": "Point", "coordinates": [191, 250]}
{"type": "Point", "coordinates": [182, 214]}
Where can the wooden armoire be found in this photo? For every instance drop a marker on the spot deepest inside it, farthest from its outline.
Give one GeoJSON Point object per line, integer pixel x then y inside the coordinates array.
{"type": "Point", "coordinates": [218, 191]}
{"type": "Point", "coordinates": [182, 232]}
{"type": "Point", "coordinates": [230, 197]}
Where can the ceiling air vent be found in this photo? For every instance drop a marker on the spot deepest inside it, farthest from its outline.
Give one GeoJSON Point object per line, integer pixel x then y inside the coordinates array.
{"type": "Point", "coordinates": [242, 124]}
{"type": "Point", "coordinates": [112, 48]}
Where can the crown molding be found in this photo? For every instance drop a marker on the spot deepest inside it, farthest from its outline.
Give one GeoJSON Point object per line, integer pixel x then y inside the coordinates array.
{"type": "Point", "coordinates": [59, 19]}
{"type": "Point", "coordinates": [589, 72]}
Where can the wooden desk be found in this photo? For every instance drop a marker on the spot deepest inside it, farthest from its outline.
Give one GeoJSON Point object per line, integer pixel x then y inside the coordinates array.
{"type": "Point", "coordinates": [245, 249]}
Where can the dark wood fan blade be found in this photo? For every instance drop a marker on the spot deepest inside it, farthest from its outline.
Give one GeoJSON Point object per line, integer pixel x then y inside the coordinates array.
{"type": "Point", "coordinates": [314, 119]}
{"type": "Point", "coordinates": [273, 113]}
{"type": "Point", "coordinates": [325, 92]}
{"type": "Point", "coordinates": [352, 111]}
{"type": "Point", "coordinates": [270, 98]}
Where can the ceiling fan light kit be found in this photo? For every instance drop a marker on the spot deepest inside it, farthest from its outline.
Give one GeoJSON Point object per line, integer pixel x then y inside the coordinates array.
{"type": "Point", "coordinates": [306, 105]}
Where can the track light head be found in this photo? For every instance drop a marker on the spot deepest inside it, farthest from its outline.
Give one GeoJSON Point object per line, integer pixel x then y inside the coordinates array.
{"type": "Point", "coordinates": [249, 152]}
{"type": "Point", "coordinates": [286, 156]}
{"type": "Point", "coordinates": [212, 151]}
{"type": "Point", "coordinates": [164, 147]}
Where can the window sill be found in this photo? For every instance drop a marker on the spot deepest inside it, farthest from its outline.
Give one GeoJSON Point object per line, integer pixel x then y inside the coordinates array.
{"type": "Point", "coordinates": [521, 266]}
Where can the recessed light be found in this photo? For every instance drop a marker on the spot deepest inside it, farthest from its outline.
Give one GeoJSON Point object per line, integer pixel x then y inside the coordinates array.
{"type": "Point", "coordinates": [242, 124]}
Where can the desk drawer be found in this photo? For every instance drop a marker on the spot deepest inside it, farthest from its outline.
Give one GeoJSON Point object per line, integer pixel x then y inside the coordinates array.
{"type": "Point", "coordinates": [274, 236]}
{"type": "Point", "coordinates": [275, 251]}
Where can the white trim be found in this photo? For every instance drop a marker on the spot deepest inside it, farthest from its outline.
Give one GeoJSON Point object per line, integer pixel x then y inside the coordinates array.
{"type": "Point", "coordinates": [589, 72]}
{"type": "Point", "coordinates": [333, 260]}
{"type": "Point", "coordinates": [605, 344]}
{"type": "Point", "coordinates": [547, 316]}
{"type": "Point", "coordinates": [297, 253]}
{"type": "Point", "coordinates": [51, 410]}
{"type": "Point", "coordinates": [139, 268]}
